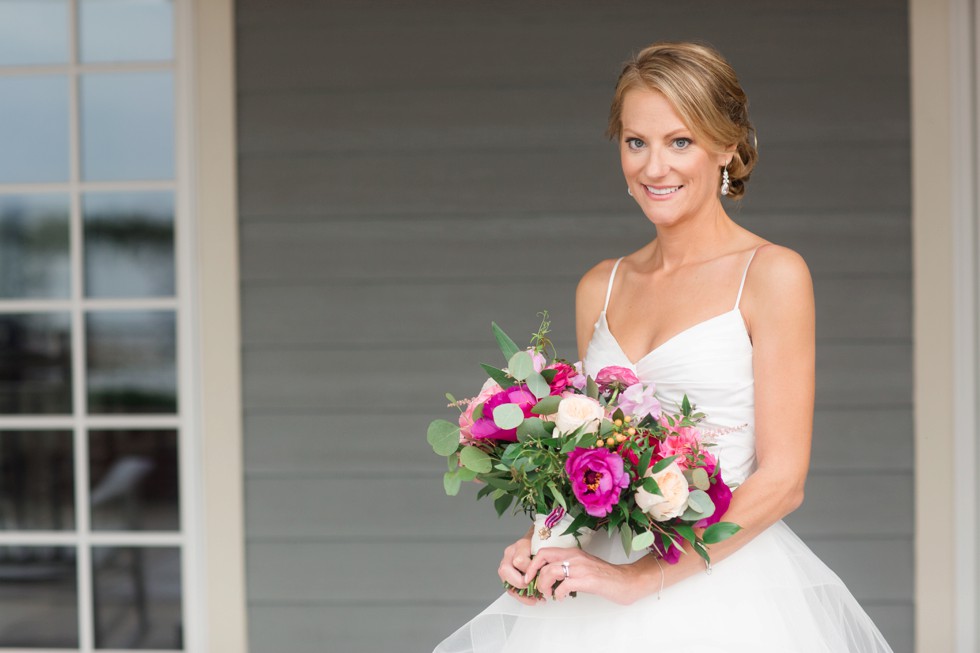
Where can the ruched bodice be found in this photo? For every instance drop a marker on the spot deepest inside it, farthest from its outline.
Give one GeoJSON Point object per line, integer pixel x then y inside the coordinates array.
{"type": "Point", "coordinates": [711, 362]}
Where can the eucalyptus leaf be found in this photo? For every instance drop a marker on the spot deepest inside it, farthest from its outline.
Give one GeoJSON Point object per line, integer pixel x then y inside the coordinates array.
{"type": "Point", "coordinates": [452, 461]}
{"type": "Point", "coordinates": [451, 482]}
{"type": "Point", "coordinates": [626, 535]}
{"type": "Point", "coordinates": [520, 365]}
{"type": "Point", "coordinates": [720, 531]}
{"type": "Point", "coordinates": [466, 474]}
{"type": "Point", "coordinates": [547, 406]}
{"type": "Point", "coordinates": [501, 483]}
{"type": "Point", "coordinates": [642, 541]}
{"type": "Point", "coordinates": [701, 502]}
{"type": "Point", "coordinates": [537, 385]}
{"type": "Point", "coordinates": [475, 459]}
{"type": "Point", "coordinates": [700, 479]}
{"type": "Point", "coordinates": [605, 428]}
{"type": "Point", "coordinates": [508, 416]}
{"type": "Point", "coordinates": [443, 435]}
{"type": "Point", "coordinates": [533, 427]}
{"type": "Point", "coordinates": [499, 376]}
{"type": "Point", "coordinates": [507, 346]}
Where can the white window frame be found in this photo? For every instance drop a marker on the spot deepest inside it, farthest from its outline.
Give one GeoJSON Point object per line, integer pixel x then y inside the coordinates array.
{"type": "Point", "coordinates": [190, 538]}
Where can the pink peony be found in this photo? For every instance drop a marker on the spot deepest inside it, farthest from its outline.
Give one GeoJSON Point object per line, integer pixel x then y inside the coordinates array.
{"type": "Point", "coordinates": [563, 377]}
{"type": "Point", "coordinates": [613, 375]}
{"type": "Point", "coordinates": [489, 389]}
{"type": "Point", "coordinates": [669, 552]}
{"type": "Point", "coordinates": [597, 477]}
{"type": "Point", "coordinates": [486, 428]}
{"type": "Point", "coordinates": [720, 494]}
{"type": "Point", "coordinates": [638, 400]}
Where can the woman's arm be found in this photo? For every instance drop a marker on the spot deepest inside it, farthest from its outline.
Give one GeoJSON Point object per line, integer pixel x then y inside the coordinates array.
{"type": "Point", "coordinates": [779, 312]}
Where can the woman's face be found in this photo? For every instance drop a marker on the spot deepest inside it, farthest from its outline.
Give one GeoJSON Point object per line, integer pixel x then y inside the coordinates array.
{"type": "Point", "coordinates": [670, 172]}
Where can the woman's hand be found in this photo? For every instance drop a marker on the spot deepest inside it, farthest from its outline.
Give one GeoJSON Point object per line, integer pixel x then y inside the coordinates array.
{"type": "Point", "coordinates": [586, 573]}
{"type": "Point", "coordinates": [514, 564]}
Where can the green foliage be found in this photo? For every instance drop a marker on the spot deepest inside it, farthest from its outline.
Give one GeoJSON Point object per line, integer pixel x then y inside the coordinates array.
{"type": "Point", "coordinates": [521, 365]}
{"type": "Point", "coordinates": [663, 464]}
{"type": "Point", "coordinates": [537, 385]}
{"type": "Point", "coordinates": [547, 406]}
{"type": "Point", "coordinates": [507, 346]}
{"type": "Point", "coordinates": [642, 541]}
{"type": "Point", "coordinates": [499, 376]}
{"type": "Point", "coordinates": [451, 482]}
{"type": "Point", "coordinates": [651, 486]}
{"type": "Point", "coordinates": [475, 459]}
{"type": "Point", "coordinates": [719, 532]}
{"type": "Point", "coordinates": [699, 479]}
{"type": "Point", "coordinates": [443, 435]}
{"type": "Point", "coordinates": [591, 389]}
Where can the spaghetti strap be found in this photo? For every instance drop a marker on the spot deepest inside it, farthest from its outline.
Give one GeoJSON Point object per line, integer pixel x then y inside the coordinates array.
{"type": "Point", "coordinates": [744, 275]}
{"type": "Point", "coordinates": [612, 275]}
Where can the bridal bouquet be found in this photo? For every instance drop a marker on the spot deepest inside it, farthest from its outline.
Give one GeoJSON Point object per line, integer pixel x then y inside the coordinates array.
{"type": "Point", "coordinates": [579, 454]}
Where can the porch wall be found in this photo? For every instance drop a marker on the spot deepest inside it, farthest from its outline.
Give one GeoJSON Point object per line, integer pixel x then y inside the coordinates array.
{"type": "Point", "coordinates": [409, 172]}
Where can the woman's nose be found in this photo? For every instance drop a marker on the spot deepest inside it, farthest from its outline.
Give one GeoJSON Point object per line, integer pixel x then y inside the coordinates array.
{"type": "Point", "coordinates": [656, 165]}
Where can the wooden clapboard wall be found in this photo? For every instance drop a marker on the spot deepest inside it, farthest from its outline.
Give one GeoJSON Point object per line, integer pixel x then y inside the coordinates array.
{"type": "Point", "coordinates": [411, 171]}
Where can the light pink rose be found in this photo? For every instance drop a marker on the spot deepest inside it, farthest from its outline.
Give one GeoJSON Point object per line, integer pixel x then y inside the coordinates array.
{"type": "Point", "coordinates": [489, 389]}
{"type": "Point", "coordinates": [576, 411]}
{"type": "Point", "coordinates": [674, 491]}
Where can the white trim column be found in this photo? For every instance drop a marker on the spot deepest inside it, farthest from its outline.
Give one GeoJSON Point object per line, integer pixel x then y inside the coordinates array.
{"type": "Point", "coordinates": [215, 218]}
{"type": "Point", "coordinates": [945, 263]}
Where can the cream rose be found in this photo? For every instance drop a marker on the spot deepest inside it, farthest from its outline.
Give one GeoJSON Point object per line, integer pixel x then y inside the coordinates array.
{"type": "Point", "coordinates": [675, 491]}
{"type": "Point", "coordinates": [575, 411]}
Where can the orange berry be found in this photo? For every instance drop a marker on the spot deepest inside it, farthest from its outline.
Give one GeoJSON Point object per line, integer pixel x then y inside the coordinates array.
{"type": "Point", "coordinates": [599, 443]}
{"type": "Point", "coordinates": [620, 437]}
{"type": "Point", "coordinates": [628, 419]}
{"type": "Point", "coordinates": [631, 431]}
{"type": "Point", "coordinates": [618, 422]}
{"type": "Point", "coordinates": [610, 440]}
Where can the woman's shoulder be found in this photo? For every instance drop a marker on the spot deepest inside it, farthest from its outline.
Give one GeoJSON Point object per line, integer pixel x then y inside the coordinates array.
{"type": "Point", "coordinates": [591, 290]}
{"type": "Point", "coordinates": [777, 267]}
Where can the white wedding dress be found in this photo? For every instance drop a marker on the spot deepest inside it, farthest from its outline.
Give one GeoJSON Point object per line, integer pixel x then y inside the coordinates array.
{"type": "Point", "coordinates": [771, 596]}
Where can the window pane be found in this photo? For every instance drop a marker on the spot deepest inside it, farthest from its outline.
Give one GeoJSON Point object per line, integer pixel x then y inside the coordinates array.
{"type": "Point", "coordinates": [127, 126]}
{"type": "Point", "coordinates": [35, 363]}
{"type": "Point", "coordinates": [126, 30]}
{"type": "Point", "coordinates": [131, 362]}
{"type": "Point", "coordinates": [38, 597]}
{"type": "Point", "coordinates": [134, 480]}
{"type": "Point", "coordinates": [137, 597]}
{"type": "Point", "coordinates": [37, 479]}
{"type": "Point", "coordinates": [33, 32]}
{"type": "Point", "coordinates": [33, 129]}
{"type": "Point", "coordinates": [34, 254]}
{"type": "Point", "coordinates": [129, 244]}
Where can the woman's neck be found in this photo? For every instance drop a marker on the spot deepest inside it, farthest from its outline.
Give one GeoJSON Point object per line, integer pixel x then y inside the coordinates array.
{"type": "Point", "coordinates": [698, 238]}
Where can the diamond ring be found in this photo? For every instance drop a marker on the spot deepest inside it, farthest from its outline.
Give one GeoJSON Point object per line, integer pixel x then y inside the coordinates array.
{"type": "Point", "coordinates": [564, 568]}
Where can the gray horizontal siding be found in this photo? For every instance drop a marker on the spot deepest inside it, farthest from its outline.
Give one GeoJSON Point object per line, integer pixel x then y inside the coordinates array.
{"type": "Point", "coordinates": [393, 155]}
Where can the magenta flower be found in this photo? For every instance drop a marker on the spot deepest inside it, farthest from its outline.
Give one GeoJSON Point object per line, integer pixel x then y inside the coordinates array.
{"type": "Point", "coordinates": [614, 375]}
{"type": "Point", "coordinates": [721, 496]}
{"type": "Point", "coordinates": [597, 477]}
{"type": "Point", "coordinates": [485, 428]}
{"type": "Point", "coordinates": [671, 553]}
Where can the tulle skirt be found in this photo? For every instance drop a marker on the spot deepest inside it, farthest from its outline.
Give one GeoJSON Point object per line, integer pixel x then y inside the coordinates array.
{"type": "Point", "coordinates": [771, 596]}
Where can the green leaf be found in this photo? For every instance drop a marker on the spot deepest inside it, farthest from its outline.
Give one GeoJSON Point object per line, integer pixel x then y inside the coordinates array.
{"type": "Point", "coordinates": [650, 485]}
{"type": "Point", "coordinates": [699, 479]}
{"type": "Point", "coordinates": [686, 406]}
{"type": "Point", "coordinates": [451, 398]}
{"type": "Point", "coordinates": [537, 385]}
{"type": "Point", "coordinates": [686, 532]}
{"type": "Point", "coordinates": [645, 460]}
{"type": "Point", "coordinates": [452, 461]}
{"type": "Point", "coordinates": [478, 411]}
{"type": "Point", "coordinates": [520, 365]}
{"type": "Point", "coordinates": [547, 406]}
{"type": "Point", "coordinates": [508, 416]}
{"type": "Point", "coordinates": [507, 346]}
{"type": "Point", "coordinates": [484, 491]}
{"type": "Point", "coordinates": [502, 503]}
{"type": "Point", "coordinates": [465, 474]}
{"type": "Point", "coordinates": [451, 482]}
{"type": "Point", "coordinates": [475, 459]}
{"type": "Point", "coordinates": [663, 464]}
{"type": "Point", "coordinates": [719, 532]}
{"type": "Point", "coordinates": [701, 502]}
{"type": "Point", "coordinates": [499, 376]}
{"type": "Point", "coordinates": [557, 495]}
{"type": "Point", "coordinates": [532, 427]}
{"type": "Point", "coordinates": [642, 541]}
{"type": "Point", "coordinates": [501, 483]}
{"type": "Point", "coordinates": [626, 535]}
{"type": "Point", "coordinates": [443, 435]}
{"type": "Point", "coordinates": [577, 523]}
{"type": "Point", "coordinates": [605, 428]}
{"type": "Point", "coordinates": [591, 389]}
{"type": "Point", "coordinates": [549, 375]}
{"type": "Point", "coordinates": [703, 552]}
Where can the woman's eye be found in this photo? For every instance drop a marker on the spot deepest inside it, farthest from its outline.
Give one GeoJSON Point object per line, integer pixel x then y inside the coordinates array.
{"type": "Point", "coordinates": [634, 143]}
{"type": "Point", "coordinates": [681, 143]}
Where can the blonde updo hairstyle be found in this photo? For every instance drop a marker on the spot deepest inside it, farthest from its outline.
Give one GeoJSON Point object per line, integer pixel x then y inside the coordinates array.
{"type": "Point", "coordinates": [704, 91]}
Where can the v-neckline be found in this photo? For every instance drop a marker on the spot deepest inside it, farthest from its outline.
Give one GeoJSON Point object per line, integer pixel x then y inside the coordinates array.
{"type": "Point", "coordinates": [602, 316]}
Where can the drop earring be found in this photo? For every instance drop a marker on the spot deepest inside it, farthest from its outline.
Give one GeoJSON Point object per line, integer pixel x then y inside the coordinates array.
{"type": "Point", "coordinates": [629, 191]}
{"type": "Point", "coordinates": [724, 181]}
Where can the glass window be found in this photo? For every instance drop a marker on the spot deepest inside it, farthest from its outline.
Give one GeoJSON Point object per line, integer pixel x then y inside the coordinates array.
{"type": "Point", "coordinates": [35, 363]}
{"type": "Point", "coordinates": [136, 597]}
{"type": "Point", "coordinates": [33, 129]}
{"type": "Point", "coordinates": [38, 597]}
{"type": "Point", "coordinates": [37, 480]}
{"type": "Point", "coordinates": [34, 255]}
{"type": "Point", "coordinates": [134, 480]}
{"type": "Point", "coordinates": [132, 364]}
{"type": "Point", "coordinates": [126, 30]}
{"type": "Point", "coordinates": [129, 244]}
{"type": "Point", "coordinates": [127, 126]}
{"type": "Point", "coordinates": [33, 32]}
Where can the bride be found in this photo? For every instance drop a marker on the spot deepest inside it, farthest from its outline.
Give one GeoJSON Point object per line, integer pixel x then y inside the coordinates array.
{"type": "Point", "coordinates": [709, 309]}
